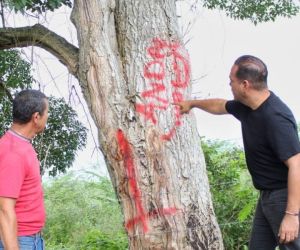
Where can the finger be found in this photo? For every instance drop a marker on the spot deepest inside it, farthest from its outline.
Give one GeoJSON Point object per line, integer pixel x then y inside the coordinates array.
{"type": "Point", "coordinates": [287, 238]}
{"type": "Point", "coordinates": [175, 103]}
{"type": "Point", "coordinates": [282, 238]}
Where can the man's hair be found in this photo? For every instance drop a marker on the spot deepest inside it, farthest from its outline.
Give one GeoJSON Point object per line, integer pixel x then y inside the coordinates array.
{"type": "Point", "coordinates": [252, 69]}
{"type": "Point", "coordinates": [26, 103]}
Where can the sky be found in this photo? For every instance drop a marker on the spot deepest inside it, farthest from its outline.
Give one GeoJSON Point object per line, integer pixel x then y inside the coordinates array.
{"type": "Point", "coordinates": [214, 41]}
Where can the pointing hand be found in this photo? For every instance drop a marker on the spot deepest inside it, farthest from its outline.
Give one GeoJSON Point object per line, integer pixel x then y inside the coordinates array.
{"type": "Point", "coordinates": [185, 106]}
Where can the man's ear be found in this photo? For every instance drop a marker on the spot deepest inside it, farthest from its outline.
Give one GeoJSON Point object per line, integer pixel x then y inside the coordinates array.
{"type": "Point", "coordinates": [35, 116]}
{"type": "Point", "coordinates": [246, 84]}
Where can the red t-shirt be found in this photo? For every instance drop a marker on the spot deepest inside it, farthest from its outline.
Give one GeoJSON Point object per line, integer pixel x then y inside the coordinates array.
{"type": "Point", "coordinates": [20, 179]}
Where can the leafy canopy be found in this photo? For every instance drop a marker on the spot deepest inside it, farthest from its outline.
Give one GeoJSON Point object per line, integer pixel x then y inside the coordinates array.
{"type": "Point", "coordinates": [63, 137]}
{"type": "Point", "coordinates": [57, 146]}
{"type": "Point", "coordinates": [38, 6]}
{"type": "Point", "coordinates": [256, 11]}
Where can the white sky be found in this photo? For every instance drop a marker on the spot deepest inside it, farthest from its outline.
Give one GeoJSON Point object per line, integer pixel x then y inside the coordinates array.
{"type": "Point", "coordinates": [214, 42]}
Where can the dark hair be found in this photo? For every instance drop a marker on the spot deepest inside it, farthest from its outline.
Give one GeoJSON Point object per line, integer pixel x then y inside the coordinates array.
{"type": "Point", "coordinates": [252, 69]}
{"type": "Point", "coordinates": [26, 103]}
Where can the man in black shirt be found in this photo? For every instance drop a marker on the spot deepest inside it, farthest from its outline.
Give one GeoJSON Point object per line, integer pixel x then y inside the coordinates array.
{"type": "Point", "coordinates": [272, 152]}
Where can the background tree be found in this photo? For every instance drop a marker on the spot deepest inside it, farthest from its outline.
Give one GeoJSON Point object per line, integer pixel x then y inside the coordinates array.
{"type": "Point", "coordinates": [256, 11]}
{"type": "Point", "coordinates": [64, 136]}
{"type": "Point", "coordinates": [131, 64]}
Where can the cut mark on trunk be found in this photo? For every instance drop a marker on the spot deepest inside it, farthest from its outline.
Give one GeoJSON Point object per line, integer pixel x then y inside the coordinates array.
{"type": "Point", "coordinates": [134, 192]}
{"type": "Point", "coordinates": [166, 57]}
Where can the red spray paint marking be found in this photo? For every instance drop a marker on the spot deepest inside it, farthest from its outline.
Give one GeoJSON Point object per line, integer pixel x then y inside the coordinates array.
{"type": "Point", "coordinates": [130, 171]}
{"type": "Point", "coordinates": [142, 216]}
{"type": "Point", "coordinates": [163, 211]}
{"type": "Point", "coordinates": [160, 51]}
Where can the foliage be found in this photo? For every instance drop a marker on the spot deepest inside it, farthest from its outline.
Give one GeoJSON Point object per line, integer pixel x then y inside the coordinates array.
{"type": "Point", "coordinates": [83, 214]}
{"type": "Point", "coordinates": [57, 146]}
{"type": "Point", "coordinates": [38, 6]}
{"type": "Point", "coordinates": [96, 240]}
{"type": "Point", "coordinates": [256, 11]}
{"type": "Point", "coordinates": [14, 72]}
{"type": "Point", "coordinates": [234, 197]}
{"type": "Point", "coordinates": [14, 76]}
{"type": "Point", "coordinates": [64, 136]}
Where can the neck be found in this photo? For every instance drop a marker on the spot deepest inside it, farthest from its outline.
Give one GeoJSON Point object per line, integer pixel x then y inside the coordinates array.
{"type": "Point", "coordinates": [23, 131]}
{"type": "Point", "coordinates": [257, 98]}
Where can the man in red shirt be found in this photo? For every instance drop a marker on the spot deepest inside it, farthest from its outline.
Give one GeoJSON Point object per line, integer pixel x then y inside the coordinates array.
{"type": "Point", "coordinates": [22, 212]}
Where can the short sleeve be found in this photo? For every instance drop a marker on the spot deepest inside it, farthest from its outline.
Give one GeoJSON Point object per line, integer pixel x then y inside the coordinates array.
{"type": "Point", "coordinates": [283, 136]}
{"type": "Point", "coordinates": [236, 108]}
{"type": "Point", "coordinates": [12, 174]}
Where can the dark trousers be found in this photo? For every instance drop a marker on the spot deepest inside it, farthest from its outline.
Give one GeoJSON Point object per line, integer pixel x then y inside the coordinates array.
{"type": "Point", "coordinates": [269, 213]}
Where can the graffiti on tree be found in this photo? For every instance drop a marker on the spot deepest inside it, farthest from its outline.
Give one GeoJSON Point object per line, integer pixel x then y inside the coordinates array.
{"type": "Point", "coordinates": [134, 192]}
{"type": "Point", "coordinates": [164, 54]}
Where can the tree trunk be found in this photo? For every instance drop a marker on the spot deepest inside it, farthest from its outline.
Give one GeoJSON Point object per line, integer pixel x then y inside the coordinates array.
{"type": "Point", "coordinates": [132, 66]}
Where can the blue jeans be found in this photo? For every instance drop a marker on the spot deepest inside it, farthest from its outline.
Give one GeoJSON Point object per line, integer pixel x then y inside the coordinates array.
{"type": "Point", "coordinates": [269, 213]}
{"type": "Point", "coordinates": [35, 242]}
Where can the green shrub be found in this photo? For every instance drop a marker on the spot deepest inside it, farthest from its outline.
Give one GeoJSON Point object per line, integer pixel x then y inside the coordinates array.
{"type": "Point", "coordinates": [234, 197]}
{"type": "Point", "coordinates": [97, 240]}
{"type": "Point", "coordinates": [78, 209]}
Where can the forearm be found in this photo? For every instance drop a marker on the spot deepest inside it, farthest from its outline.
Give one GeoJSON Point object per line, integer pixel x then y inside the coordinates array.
{"type": "Point", "coordinates": [8, 229]}
{"type": "Point", "coordinates": [293, 204]}
{"type": "Point", "coordinates": [214, 106]}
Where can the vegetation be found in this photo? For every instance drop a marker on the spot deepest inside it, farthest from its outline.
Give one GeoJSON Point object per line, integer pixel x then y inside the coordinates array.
{"type": "Point", "coordinates": [64, 135]}
{"type": "Point", "coordinates": [38, 6]}
{"type": "Point", "coordinates": [233, 194]}
{"type": "Point", "coordinates": [83, 215]}
{"type": "Point", "coordinates": [255, 11]}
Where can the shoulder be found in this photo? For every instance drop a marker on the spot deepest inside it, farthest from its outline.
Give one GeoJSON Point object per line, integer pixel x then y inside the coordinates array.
{"type": "Point", "coordinates": [13, 151]}
{"type": "Point", "coordinates": [276, 111]}
{"type": "Point", "coordinates": [236, 108]}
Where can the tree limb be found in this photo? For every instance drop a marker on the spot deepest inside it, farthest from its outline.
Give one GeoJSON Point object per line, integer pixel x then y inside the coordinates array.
{"type": "Point", "coordinates": [6, 90]}
{"type": "Point", "coordinates": [2, 13]}
{"type": "Point", "coordinates": [39, 35]}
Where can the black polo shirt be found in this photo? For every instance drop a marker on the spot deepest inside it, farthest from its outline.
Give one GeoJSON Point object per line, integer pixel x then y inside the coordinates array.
{"type": "Point", "coordinates": [270, 137]}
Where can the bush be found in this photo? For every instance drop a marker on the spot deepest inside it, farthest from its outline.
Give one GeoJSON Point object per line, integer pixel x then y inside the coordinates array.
{"type": "Point", "coordinates": [97, 240]}
{"type": "Point", "coordinates": [234, 196]}
{"type": "Point", "coordinates": [78, 210]}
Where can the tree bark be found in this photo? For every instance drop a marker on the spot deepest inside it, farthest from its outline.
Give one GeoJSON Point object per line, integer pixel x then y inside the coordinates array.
{"type": "Point", "coordinates": [132, 66]}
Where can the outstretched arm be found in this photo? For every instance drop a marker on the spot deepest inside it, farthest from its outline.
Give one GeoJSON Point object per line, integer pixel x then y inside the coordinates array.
{"type": "Point", "coordinates": [214, 106]}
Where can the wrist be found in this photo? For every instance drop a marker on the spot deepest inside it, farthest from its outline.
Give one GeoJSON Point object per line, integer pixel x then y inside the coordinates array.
{"type": "Point", "coordinates": [292, 213]}
{"type": "Point", "coordinates": [192, 104]}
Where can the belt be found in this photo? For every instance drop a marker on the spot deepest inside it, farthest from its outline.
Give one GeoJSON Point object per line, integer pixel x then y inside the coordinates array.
{"type": "Point", "coordinates": [38, 234]}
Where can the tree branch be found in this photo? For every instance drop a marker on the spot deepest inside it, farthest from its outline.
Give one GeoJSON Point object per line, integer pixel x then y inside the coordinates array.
{"type": "Point", "coordinates": [2, 86]}
{"type": "Point", "coordinates": [39, 35]}
{"type": "Point", "coordinates": [2, 13]}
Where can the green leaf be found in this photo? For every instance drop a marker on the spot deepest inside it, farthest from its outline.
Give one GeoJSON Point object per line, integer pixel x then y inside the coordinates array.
{"type": "Point", "coordinates": [245, 212]}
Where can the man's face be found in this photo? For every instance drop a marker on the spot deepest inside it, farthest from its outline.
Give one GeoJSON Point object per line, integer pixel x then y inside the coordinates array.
{"type": "Point", "coordinates": [42, 119]}
{"type": "Point", "coordinates": [235, 84]}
